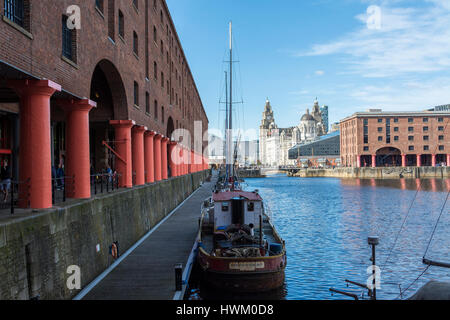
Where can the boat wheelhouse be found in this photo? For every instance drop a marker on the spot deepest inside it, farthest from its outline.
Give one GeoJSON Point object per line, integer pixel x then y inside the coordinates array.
{"type": "Point", "coordinates": [239, 248]}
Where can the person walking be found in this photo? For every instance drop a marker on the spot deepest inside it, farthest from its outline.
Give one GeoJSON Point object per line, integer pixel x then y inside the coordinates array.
{"type": "Point", "coordinates": [5, 177]}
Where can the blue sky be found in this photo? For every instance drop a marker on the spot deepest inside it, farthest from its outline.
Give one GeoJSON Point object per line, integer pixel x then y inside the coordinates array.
{"type": "Point", "coordinates": [293, 51]}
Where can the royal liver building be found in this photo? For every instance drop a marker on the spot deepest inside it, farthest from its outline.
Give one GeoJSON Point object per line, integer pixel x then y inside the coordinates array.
{"type": "Point", "coordinates": [275, 142]}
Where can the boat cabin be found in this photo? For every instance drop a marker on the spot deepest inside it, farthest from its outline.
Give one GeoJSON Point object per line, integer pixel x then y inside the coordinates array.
{"type": "Point", "coordinates": [236, 208]}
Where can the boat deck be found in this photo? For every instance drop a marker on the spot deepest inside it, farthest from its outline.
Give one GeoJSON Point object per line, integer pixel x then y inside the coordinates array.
{"type": "Point", "coordinates": [267, 235]}
{"type": "Point", "coordinates": [148, 272]}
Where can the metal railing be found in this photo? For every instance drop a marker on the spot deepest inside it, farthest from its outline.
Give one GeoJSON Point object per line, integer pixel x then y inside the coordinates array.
{"type": "Point", "coordinates": [12, 199]}
{"type": "Point", "coordinates": [59, 188]}
{"type": "Point", "coordinates": [104, 182]}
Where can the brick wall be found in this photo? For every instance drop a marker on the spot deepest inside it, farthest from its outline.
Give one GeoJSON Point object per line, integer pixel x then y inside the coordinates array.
{"type": "Point", "coordinates": [352, 135]}
{"type": "Point", "coordinates": [41, 56]}
{"type": "Point", "coordinates": [36, 251]}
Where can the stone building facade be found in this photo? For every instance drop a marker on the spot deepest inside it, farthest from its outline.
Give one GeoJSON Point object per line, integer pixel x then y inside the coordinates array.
{"type": "Point", "coordinates": [83, 96]}
{"type": "Point", "coordinates": [275, 142]}
{"type": "Point", "coordinates": [378, 139]}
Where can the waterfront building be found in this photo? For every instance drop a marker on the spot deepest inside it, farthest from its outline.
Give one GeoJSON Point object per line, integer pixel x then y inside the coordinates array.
{"type": "Point", "coordinates": [108, 94]}
{"type": "Point", "coordinates": [324, 152]}
{"type": "Point", "coordinates": [325, 119]}
{"type": "Point", "coordinates": [445, 107]}
{"type": "Point", "coordinates": [248, 153]}
{"type": "Point", "coordinates": [335, 127]}
{"type": "Point", "coordinates": [378, 139]}
{"type": "Point", "coordinates": [216, 152]}
{"type": "Point", "coordinates": [275, 142]}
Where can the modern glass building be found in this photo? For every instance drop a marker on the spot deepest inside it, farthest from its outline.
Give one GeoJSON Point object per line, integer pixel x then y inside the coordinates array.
{"type": "Point", "coordinates": [445, 107]}
{"type": "Point", "coordinates": [326, 149]}
{"type": "Point", "coordinates": [325, 118]}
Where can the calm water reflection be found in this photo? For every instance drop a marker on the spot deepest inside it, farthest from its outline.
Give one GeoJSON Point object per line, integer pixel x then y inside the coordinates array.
{"type": "Point", "coordinates": [326, 222]}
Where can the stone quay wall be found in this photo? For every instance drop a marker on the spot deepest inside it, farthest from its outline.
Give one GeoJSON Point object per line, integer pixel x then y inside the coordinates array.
{"type": "Point", "coordinates": [250, 173]}
{"type": "Point", "coordinates": [376, 173]}
{"type": "Point", "coordinates": [35, 252]}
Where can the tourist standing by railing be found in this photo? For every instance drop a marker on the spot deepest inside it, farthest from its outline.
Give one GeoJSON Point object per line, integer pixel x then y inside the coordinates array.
{"type": "Point", "coordinates": [5, 177]}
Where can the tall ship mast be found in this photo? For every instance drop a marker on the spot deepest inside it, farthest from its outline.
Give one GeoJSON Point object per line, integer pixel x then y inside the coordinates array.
{"type": "Point", "coordinates": [239, 247]}
{"type": "Point", "coordinates": [229, 134]}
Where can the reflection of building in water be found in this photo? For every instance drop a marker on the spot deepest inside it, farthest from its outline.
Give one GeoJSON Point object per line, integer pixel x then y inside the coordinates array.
{"type": "Point", "coordinates": [275, 142]}
{"type": "Point", "coordinates": [378, 139]}
{"type": "Point", "coordinates": [435, 185]}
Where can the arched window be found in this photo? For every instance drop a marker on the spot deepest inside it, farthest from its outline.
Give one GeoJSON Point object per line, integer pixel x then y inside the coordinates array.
{"type": "Point", "coordinates": [69, 41]}
{"type": "Point", "coordinates": [136, 94]}
{"type": "Point", "coordinates": [121, 25]}
{"type": "Point", "coordinates": [135, 43]}
{"type": "Point", "coordinates": [147, 102]}
{"type": "Point", "coordinates": [99, 4]}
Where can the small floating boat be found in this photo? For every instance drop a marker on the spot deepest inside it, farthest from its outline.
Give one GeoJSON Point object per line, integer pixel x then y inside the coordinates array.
{"type": "Point", "coordinates": [239, 248]}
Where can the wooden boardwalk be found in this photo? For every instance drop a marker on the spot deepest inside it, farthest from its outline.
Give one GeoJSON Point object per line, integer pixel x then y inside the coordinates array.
{"type": "Point", "coordinates": [148, 272]}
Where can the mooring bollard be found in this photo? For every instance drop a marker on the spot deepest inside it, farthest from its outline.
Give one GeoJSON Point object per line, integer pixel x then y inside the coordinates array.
{"type": "Point", "coordinates": [178, 277]}
{"type": "Point", "coordinates": [373, 241]}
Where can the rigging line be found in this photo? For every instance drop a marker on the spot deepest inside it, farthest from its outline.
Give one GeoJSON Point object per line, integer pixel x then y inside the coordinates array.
{"type": "Point", "coordinates": [437, 222]}
{"type": "Point", "coordinates": [409, 210]}
{"type": "Point", "coordinates": [402, 292]}
{"type": "Point", "coordinates": [403, 223]}
{"type": "Point", "coordinates": [221, 89]}
{"type": "Point", "coordinates": [238, 84]}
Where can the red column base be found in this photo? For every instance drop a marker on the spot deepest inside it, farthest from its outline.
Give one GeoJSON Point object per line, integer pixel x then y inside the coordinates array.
{"type": "Point", "coordinates": [124, 166]}
{"type": "Point", "coordinates": [78, 181]}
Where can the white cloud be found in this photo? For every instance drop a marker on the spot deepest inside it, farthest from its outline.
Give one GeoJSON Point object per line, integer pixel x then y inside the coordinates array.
{"type": "Point", "coordinates": [411, 40]}
{"type": "Point", "coordinates": [410, 95]}
{"type": "Point", "coordinates": [320, 73]}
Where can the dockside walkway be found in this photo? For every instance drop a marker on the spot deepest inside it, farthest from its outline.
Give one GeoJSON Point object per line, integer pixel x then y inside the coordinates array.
{"type": "Point", "coordinates": [147, 273]}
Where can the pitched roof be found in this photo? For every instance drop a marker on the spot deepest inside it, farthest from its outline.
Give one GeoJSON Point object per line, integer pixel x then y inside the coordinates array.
{"type": "Point", "coordinates": [229, 195]}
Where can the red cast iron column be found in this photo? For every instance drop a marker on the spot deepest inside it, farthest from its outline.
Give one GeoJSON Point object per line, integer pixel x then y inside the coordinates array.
{"type": "Point", "coordinates": [77, 167]}
{"type": "Point", "coordinates": [138, 154]}
{"type": "Point", "coordinates": [164, 163]}
{"type": "Point", "coordinates": [149, 157]}
{"type": "Point", "coordinates": [157, 157]}
{"type": "Point", "coordinates": [124, 163]}
{"type": "Point", "coordinates": [35, 166]}
{"type": "Point", "coordinates": [172, 160]}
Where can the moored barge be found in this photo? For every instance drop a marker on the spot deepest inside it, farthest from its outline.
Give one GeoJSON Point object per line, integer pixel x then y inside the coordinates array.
{"type": "Point", "coordinates": [239, 247]}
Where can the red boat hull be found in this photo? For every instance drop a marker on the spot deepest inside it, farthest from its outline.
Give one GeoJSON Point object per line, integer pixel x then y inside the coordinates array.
{"type": "Point", "coordinates": [244, 275]}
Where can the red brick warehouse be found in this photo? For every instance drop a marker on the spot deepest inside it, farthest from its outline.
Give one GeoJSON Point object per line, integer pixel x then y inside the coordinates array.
{"type": "Point", "coordinates": [395, 139]}
{"type": "Point", "coordinates": [109, 94]}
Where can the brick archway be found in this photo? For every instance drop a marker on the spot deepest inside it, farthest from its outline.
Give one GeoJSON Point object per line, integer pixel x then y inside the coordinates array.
{"type": "Point", "coordinates": [108, 91]}
{"type": "Point", "coordinates": [389, 156]}
{"type": "Point", "coordinates": [170, 128]}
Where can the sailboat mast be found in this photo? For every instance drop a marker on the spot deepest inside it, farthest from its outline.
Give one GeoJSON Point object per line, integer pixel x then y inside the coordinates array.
{"type": "Point", "coordinates": [225, 145]}
{"type": "Point", "coordinates": [230, 117]}
{"type": "Point", "coordinates": [231, 77]}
